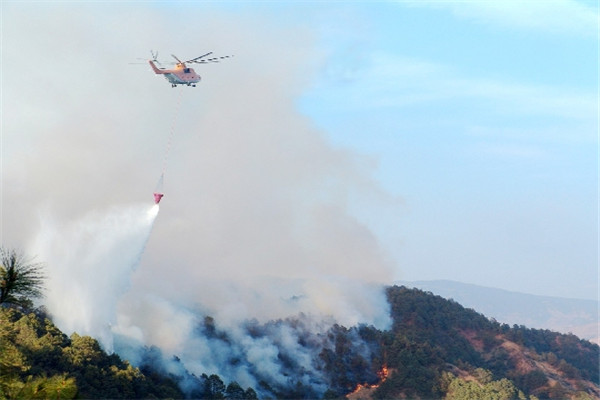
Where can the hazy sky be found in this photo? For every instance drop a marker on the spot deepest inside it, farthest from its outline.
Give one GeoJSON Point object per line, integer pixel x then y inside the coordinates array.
{"type": "Point", "coordinates": [366, 140]}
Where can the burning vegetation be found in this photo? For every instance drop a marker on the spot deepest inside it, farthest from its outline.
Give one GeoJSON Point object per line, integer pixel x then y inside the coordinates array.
{"type": "Point", "coordinates": [435, 349]}
{"type": "Point", "coordinates": [365, 390]}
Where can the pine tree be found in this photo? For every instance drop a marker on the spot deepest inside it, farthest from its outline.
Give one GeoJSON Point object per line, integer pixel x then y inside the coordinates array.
{"type": "Point", "coordinates": [21, 279]}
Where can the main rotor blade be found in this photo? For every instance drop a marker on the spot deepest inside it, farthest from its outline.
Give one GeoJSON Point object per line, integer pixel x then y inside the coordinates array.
{"type": "Point", "coordinates": [197, 58]}
{"type": "Point", "coordinates": [178, 60]}
{"type": "Point", "coordinates": [211, 60]}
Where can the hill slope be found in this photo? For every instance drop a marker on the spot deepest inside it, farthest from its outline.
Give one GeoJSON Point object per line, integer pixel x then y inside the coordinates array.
{"type": "Point", "coordinates": [435, 348]}
{"type": "Point", "coordinates": [39, 361]}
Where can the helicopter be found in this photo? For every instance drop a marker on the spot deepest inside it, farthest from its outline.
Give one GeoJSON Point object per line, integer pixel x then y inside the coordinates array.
{"type": "Point", "coordinates": [182, 74]}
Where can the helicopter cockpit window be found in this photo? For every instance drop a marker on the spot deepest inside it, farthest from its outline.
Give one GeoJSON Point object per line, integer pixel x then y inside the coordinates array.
{"type": "Point", "coordinates": [186, 70]}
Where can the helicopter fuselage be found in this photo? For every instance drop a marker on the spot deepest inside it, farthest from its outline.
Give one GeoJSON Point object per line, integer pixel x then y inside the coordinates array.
{"type": "Point", "coordinates": [181, 75]}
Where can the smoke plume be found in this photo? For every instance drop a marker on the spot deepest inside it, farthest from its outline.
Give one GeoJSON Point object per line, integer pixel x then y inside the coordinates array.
{"type": "Point", "coordinates": [256, 225]}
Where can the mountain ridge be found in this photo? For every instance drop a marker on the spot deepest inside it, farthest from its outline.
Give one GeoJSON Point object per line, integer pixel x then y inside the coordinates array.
{"type": "Point", "coordinates": [435, 348]}
{"type": "Point", "coordinates": [565, 315]}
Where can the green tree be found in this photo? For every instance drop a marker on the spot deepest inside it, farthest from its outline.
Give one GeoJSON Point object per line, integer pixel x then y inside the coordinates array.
{"type": "Point", "coordinates": [503, 389]}
{"type": "Point", "coordinates": [532, 380]}
{"type": "Point", "coordinates": [21, 279]}
{"type": "Point", "coordinates": [214, 387]}
{"type": "Point", "coordinates": [250, 394]}
{"type": "Point", "coordinates": [55, 387]}
{"type": "Point", "coordinates": [234, 391]}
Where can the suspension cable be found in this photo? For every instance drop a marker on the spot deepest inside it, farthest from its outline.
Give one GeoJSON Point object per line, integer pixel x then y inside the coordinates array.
{"type": "Point", "coordinates": [172, 132]}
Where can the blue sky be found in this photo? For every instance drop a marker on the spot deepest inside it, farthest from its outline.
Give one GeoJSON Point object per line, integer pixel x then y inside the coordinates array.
{"type": "Point", "coordinates": [474, 125]}
{"type": "Point", "coordinates": [483, 118]}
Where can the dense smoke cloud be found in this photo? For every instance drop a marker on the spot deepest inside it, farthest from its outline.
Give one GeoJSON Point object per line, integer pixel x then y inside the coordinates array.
{"type": "Point", "coordinates": [255, 223]}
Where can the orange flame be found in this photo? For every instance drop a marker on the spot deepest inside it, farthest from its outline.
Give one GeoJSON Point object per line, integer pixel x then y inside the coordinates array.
{"type": "Point", "coordinates": [381, 374]}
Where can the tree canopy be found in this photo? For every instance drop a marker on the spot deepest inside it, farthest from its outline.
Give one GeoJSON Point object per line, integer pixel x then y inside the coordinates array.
{"type": "Point", "coordinates": [21, 279]}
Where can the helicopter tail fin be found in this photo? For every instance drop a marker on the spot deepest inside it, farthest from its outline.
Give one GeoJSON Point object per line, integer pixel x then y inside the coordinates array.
{"type": "Point", "coordinates": [156, 70]}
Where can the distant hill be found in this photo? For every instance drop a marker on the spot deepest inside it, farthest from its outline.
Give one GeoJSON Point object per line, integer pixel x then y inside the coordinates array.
{"type": "Point", "coordinates": [577, 316]}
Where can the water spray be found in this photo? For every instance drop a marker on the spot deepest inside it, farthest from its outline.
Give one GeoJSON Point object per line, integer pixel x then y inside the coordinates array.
{"type": "Point", "coordinates": [91, 261]}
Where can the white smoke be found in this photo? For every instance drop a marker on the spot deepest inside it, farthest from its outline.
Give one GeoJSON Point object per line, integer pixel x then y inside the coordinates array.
{"type": "Point", "coordinates": [255, 223]}
{"type": "Point", "coordinates": [90, 261]}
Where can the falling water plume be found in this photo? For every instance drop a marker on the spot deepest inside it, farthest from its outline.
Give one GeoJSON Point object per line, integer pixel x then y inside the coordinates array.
{"type": "Point", "coordinates": [90, 262]}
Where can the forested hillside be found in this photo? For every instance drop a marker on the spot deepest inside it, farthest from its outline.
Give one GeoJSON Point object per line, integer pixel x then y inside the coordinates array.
{"type": "Point", "coordinates": [435, 349]}
{"type": "Point", "coordinates": [39, 361]}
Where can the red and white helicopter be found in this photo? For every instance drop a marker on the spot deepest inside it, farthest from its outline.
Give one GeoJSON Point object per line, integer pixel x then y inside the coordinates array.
{"type": "Point", "coordinates": [182, 74]}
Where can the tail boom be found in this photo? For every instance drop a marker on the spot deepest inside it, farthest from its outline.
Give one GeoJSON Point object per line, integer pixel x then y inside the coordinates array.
{"type": "Point", "coordinates": [155, 69]}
